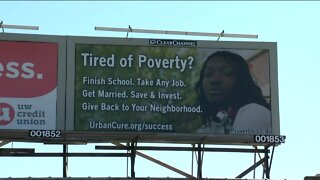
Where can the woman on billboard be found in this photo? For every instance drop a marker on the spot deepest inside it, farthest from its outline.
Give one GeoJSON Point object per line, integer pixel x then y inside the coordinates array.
{"type": "Point", "coordinates": [230, 100]}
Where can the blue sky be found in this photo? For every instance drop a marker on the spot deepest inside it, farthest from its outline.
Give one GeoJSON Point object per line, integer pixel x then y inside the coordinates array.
{"type": "Point", "coordinates": [295, 26]}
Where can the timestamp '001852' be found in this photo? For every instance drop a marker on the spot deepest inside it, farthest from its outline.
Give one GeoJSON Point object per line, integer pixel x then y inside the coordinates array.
{"type": "Point", "coordinates": [45, 133]}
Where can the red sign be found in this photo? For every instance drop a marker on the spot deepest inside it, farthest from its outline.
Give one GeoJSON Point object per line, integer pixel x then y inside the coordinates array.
{"type": "Point", "coordinates": [27, 69]}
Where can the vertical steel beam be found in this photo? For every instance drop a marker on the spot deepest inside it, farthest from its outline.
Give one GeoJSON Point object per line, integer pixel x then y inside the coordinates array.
{"type": "Point", "coordinates": [133, 158]}
{"type": "Point", "coordinates": [267, 167]}
{"type": "Point", "coordinates": [200, 152]}
{"type": "Point", "coordinates": [65, 160]}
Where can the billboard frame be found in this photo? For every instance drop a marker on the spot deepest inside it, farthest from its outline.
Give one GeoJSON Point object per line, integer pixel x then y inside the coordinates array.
{"type": "Point", "coordinates": [61, 67]}
{"type": "Point", "coordinates": [65, 103]}
{"type": "Point", "coordinates": [167, 137]}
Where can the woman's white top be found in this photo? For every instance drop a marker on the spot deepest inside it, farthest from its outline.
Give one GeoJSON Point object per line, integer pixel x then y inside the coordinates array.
{"type": "Point", "coordinates": [252, 118]}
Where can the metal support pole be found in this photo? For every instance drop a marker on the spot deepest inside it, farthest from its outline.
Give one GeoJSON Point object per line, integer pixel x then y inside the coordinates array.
{"type": "Point", "coordinates": [65, 160]}
{"type": "Point", "coordinates": [155, 160]}
{"type": "Point", "coordinates": [221, 34]}
{"type": "Point", "coordinates": [199, 174]}
{"type": "Point", "coordinates": [192, 157]}
{"type": "Point", "coordinates": [267, 168]}
{"type": "Point", "coordinates": [270, 163]}
{"type": "Point", "coordinates": [128, 161]}
{"type": "Point", "coordinates": [151, 31]}
{"type": "Point", "coordinates": [263, 161]}
{"type": "Point", "coordinates": [254, 162]}
{"type": "Point", "coordinates": [133, 157]}
{"type": "Point", "coordinates": [251, 168]}
{"type": "Point", "coordinates": [1, 26]}
{"type": "Point", "coordinates": [2, 143]}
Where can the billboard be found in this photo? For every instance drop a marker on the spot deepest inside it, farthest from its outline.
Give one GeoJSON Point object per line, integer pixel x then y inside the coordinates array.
{"type": "Point", "coordinates": [96, 88]}
{"type": "Point", "coordinates": [172, 87]}
{"type": "Point", "coordinates": [32, 82]}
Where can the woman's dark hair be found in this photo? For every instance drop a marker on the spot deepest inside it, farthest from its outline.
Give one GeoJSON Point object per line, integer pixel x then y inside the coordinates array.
{"type": "Point", "coordinates": [246, 89]}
